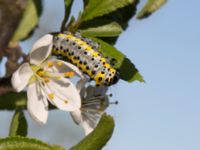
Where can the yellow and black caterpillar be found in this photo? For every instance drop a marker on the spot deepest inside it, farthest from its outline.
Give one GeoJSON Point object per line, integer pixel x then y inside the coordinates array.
{"type": "Point", "coordinates": [86, 57]}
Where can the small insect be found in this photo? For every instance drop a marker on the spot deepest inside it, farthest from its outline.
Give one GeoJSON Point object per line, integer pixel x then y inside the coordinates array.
{"type": "Point", "coordinates": [83, 53]}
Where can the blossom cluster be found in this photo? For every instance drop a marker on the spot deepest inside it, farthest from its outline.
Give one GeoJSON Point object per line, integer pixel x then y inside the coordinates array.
{"type": "Point", "coordinates": [48, 80]}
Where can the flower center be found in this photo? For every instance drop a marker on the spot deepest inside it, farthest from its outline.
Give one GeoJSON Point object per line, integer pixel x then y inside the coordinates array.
{"type": "Point", "coordinates": [43, 75]}
{"type": "Point", "coordinates": [38, 74]}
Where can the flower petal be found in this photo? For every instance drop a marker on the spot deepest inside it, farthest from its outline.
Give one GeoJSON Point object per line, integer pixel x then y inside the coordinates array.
{"type": "Point", "coordinates": [101, 90]}
{"type": "Point", "coordinates": [63, 67]}
{"type": "Point", "coordinates": [86, 128]}
{"type": "Point", "coordinates": [63, 94]}
{"type": "Point", "coordinates": [77, 117]}
{"type": "Point", "coordinates": [41, 49]}
{"type": "Point", "coordinates": [21, 77]}
{"type": "Point", "coordinates": [93, 91]}
{"type": "Point", "coordinates": [81, 86]}
{"type": "Point", "coordinates": [37, 103]}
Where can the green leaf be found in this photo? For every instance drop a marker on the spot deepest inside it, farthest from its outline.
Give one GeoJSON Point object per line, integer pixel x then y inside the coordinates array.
{"type": "Point", "coordinates": [23, 143]}
{"type": "Point", "coordinates": [107, 30]}
{"type": "Point", "coordinates": [129, 72]}
{"type": "Point", "coordinates": [97, 8]}
{"type": "Point", "coordinates": [127, 69]}
{"type": "Point", "coordinates": [99, 137]}
{"type": "Point", "coordinates": [150, 7]}
{"type": "Point", "coordinates": [13, 100]}
{"type": "Point", "coordinates": [85, 3]}
{"type": "Point", "coordinates": [71, 23]}
{"type": "Point", "coordinates": [29, 20]}
{"type": "Point", "coordinates": [121, 16]}
{"type": "Point", "coordinates": [68, 5]}
{"type": "Point", "coordinates": [18, 124]}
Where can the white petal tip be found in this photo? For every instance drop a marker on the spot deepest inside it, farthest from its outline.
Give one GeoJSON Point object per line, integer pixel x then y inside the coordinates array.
{"type": "Point", "coordinates": [88, 132]}
{"type": "Point", "coordinates": [21, 77]}
{"type": "Point", "coordinates": [39, 121]}
{"type": "Point", "coordinates": [41, 49]}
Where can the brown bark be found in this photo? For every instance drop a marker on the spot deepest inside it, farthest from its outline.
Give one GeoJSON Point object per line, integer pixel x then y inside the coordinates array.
{"type": "Point", "coordinates": [10, 14]}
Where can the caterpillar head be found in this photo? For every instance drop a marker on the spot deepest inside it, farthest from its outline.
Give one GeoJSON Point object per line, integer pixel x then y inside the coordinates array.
{"type": "Point", "coordinates": [112, 79]}
{"type": "Point", "coordinates": [116, 78]}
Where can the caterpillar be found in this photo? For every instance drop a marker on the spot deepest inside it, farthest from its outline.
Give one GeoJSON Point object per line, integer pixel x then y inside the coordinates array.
{"type": "Point", "coordinates": [85, 55]}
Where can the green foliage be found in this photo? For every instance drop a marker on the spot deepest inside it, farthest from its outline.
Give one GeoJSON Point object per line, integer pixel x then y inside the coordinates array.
{"type": "Point", "coordinates": [85, 2]}
{"type": "Point", "coordinates": [120, 16]}
{"type": "Point", "coordinates": [150, 7]}
{"type": "Point", "coordinates": [22, 143]}
{"type": "Point", "coordinates": [129, 72]}
{"type": "Point", "coordinates": [29, 20]}
{"type": "Point", "coordinates": [107, 30]}
{"type": "Point", "coordinates": [105, 19]}
{"type": "Point", "coordinates": [18, 124]}
{"type": "Point", "coordinates": [99, 137]}
{"type": "Point", "coordinates": [97, 8]}
{"type": "Point", "coordinates": [13, 101]}
{"type": "Point", "coordinates": [71, 23]}
{"type": "Point", "coordinates": [68, 5]}
{"type": "Point", "coordinates": [127, 69]}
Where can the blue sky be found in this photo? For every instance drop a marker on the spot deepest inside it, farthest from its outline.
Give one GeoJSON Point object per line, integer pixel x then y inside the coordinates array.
{"type": "Point", "coordinates": [162, 113]}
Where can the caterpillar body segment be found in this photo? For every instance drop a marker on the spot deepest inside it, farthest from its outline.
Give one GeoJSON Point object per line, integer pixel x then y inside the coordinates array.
{"type": "Point", "coordinates": [86, 57]}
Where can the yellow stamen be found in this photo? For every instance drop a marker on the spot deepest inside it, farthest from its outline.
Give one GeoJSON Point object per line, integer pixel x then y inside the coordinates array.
{"type": "Point", "coordinates": [60, 63]}
{"type": "Point", "coordinates": [58, 77]}
{"type": "Point", "coordinates": [69, 74]}
{"type": "Point", "coordinates": [46, 79]}
{"type": "Point", "coordinates": [40, 73]}
{"type": "Point", "coordinates": [66, 101]}
{"type": "Point", "coordinates": [50, 64]}
{"type": "Point", "coordinates": [51, 96]}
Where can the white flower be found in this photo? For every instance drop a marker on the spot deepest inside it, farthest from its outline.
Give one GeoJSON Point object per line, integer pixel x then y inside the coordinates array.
{"type": "Point", "coordinates": [94, 103]}
{"type": "Point", "coordinates": [46, 79]}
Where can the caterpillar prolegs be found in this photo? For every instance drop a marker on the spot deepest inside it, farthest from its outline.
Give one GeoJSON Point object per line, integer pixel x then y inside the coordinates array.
{"type": "Point", "coordinates": [80, 52]}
